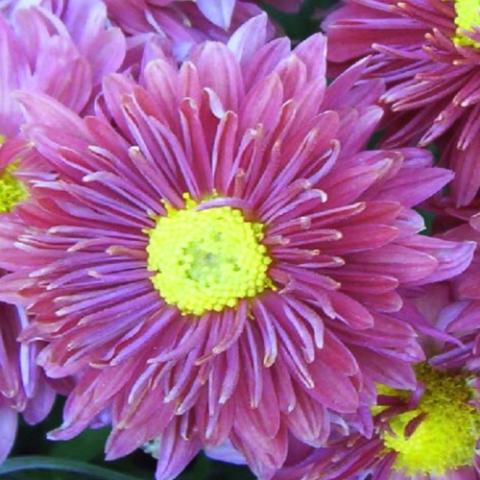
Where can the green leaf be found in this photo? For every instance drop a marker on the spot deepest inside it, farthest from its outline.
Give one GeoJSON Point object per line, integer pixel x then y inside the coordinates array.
{"type": "Point", "coordinates": [84, 470]}
{"type": "Point", "coordinates": [85, 447]}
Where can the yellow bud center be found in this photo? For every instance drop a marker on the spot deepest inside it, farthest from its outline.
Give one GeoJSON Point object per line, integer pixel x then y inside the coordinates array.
{"type": "Point", "coordinates": [467, 18]}
{"type": "Point", "coordinates": [207, 260]}
{"type": "Point", "coordinates": [12, 190]}
{"type": "Point", "coordinates": [446, 437]}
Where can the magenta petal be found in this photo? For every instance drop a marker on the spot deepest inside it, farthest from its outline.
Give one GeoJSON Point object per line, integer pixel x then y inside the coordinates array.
{"type": "Point", "coordinates": [218, 12]}
{"type": "Point", "coordinates": [382, 370]}
{"type": "Point", "coordinates": [8, 430]}
{"type": "Point", "coordinates": [313, 54]}
{"type": "Point", "coordinates": [266, 457]}
{"type": "Point", "coordinates": [250, 37]}
{"type": "Point", "coordinates": [350, 311]}
{"type": "Point", "coordinates": [225, 453]}
{"type": "Point", "coordinates": [466, 182]}
{"type": "Point", "coordinates": [38, 408]}
{"type": "Point", "coordinates": [405, 264]}
{"type": "Point", "coordinates": [51, 112]}
{"type": "Point", "coordinates": [308, 421]}
{"type": "Point", "coordinates": [332, 388]}
{"type": "Point", "coordinates": [220, 71]}
{"type": "Point", "coordinates": [175, 453]}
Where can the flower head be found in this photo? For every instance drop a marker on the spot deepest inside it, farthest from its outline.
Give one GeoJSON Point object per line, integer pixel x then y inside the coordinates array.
{"type": "Point", "coordinates": [56, 57]}
{"type": "Point", "coordinates": [431, 433]}
{"type": "Point", "coordinates": [219, 258]}
{"type": "Point", "coordinates": [428, 52]}
{"type": "Point", "coordinates": [60, 56]}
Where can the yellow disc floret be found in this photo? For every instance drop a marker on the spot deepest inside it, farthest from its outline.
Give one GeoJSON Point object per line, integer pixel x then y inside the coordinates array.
{"type": "Point", "coordinates": [446, 437]}
{"type": "Point", "coordinates": [467, 18]}
{"type": "Point", "coordinates": [12, 190]}
{"type": "Point", "coordinates": [207, 260]}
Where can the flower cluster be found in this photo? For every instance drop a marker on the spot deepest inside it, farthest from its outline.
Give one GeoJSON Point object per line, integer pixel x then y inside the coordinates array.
{"type": "Point", "coordinates": [212, 240]}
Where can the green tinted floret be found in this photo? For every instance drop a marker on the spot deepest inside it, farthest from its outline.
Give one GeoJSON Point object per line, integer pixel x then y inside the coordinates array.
{"type": "Point", "coordinates": [207, 260]}
{"type": "Point", "coordinates": [12, 190]}
{"type": "Point", "coordinates": [446, 438]}
{"type": "Point", "coordinates": [467, 19]}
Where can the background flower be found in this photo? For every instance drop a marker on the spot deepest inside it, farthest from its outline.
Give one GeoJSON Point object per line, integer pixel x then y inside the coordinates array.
{"type": "Point", "coordinates": [430, 433]}
{"type": "Point", "coordinates": [431, 66]}
{"type": "Point", "coordinates": [186, 23]}
{"type": "Point", "coordinates": [63, 49]}
{"type": "Point", "coordinates": [435, 427]}
{"type": "Point", "coordinates": [58, 48]}
{"type": "Point", "coordinates": [23, 387]}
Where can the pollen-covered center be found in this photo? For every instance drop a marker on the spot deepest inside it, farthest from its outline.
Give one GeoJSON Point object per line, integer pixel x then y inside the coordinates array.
{"type": "Point", "coordinates": [446, 437]}
{"type": "Point", "coordinates": [12, 190]}
{"type": "Point", "coordinates": [467, 18]}
{"type": "Point", "coordinates": [207, 260]}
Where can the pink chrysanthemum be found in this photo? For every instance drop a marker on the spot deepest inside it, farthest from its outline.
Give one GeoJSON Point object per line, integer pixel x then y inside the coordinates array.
{"type": "Point", "coordinates": [431, 433]}
{"type": "Point", "coordinates": [220, 259]}
{"type": "Point", "coordinates": [428, 52]}
{"type": "Point", "coordinates": [58, 48]}
{"type": "Point", "coordinates": [63, 49]}
{"type": "Point", "coordinates": [186, 23]}
{"type": "Point", "coordinates": [428, 434]}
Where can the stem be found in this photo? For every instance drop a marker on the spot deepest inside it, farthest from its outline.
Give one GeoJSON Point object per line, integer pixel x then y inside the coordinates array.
{"type": "Point", "coordinates": [37, 462]}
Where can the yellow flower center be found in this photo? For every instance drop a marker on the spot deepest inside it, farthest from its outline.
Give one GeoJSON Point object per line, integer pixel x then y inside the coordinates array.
{"type": "Point", "coordinates": [446, 438]}
{"type": "Point", "coordinates": [467, 18]}
{"type": "Point", "coordinates": [207, 260]}
{"type": "Point", "coordinates": [12, 190]}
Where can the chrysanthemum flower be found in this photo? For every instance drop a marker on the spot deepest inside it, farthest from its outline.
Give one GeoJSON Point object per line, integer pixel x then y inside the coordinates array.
{"type": "Point", "coordinates": [61, 49]}
{"type": "Point", "coordinates": [428, 52]}
{"type": "Point", "coordinates": [428, 434]}
{"type": "Point", "coordinates": [432, 432]}
{"type": "Point", "coordinates": [219, 258]}
{"type": "Point", "coordinates": [186, 23]}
